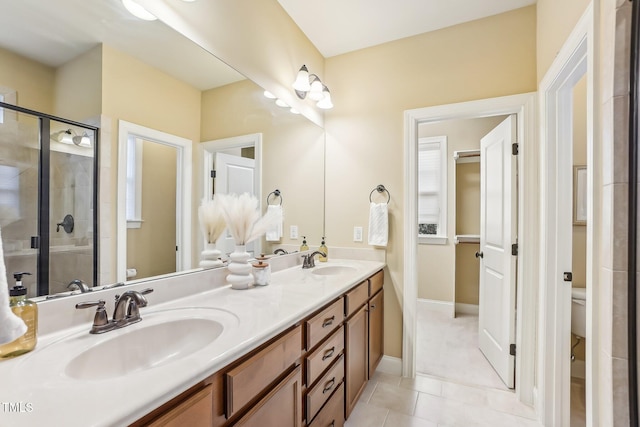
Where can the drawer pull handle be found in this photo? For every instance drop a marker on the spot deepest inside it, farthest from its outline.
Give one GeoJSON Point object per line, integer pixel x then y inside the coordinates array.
{"type": "Point", "coordinates": [329, 353]}
{"type": "Point", "coordinates": [328, 322]}
{"type": "Point", "coordinates": [329, 385]}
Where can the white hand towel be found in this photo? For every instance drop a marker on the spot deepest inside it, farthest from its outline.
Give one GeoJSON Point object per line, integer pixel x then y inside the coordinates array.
{"type": "Point", "coordinates": [274, 233]}
{"type": "Point", "coordinates": [378, 224]}
{"type": "Point", "coordinates": [11, 326]}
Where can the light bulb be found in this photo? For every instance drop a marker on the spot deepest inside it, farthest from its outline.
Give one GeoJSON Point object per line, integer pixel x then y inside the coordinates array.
{"type": "Point", "coordinates": [325, 103]}
{"type": "Point", "coordinates": [315, 93]}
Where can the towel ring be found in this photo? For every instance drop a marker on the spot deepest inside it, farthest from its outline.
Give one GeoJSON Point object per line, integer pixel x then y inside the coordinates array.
{"type": "Point", "coordinates": [380, 189]}
{"type": "Point", "coordinates": [276, 193]}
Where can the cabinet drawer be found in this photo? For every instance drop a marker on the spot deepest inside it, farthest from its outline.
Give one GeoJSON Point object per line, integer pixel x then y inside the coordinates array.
{"type": "Point", "coordinates": [323, 323]}
{"type": "Point", "coordinates": [355, 298]}
{"type": "Point", "coordinates": [375, 283]}
{"type": "Point", "coordinates": [318, 395]}
{"type": "Point", "coordinates": [318, 361]}
{"type": "Point", "coordinates": [250, 378]}
{"type": "Point", "coordinates": [332, 415]}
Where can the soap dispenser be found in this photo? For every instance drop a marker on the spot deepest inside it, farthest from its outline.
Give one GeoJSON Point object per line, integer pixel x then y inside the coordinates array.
{"type": "Point", "coordinates": [304, 246]}
{"type": "Point", "coordinates": [323, 248]}
{"type": "Point", "coordinates": [27, 310]}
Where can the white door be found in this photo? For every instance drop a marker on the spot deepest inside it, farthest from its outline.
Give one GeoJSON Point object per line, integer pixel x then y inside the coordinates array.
{"type": "Point", "coordinates": [234, 175]}
{"type": "Point", "coordinates": [498, 225]}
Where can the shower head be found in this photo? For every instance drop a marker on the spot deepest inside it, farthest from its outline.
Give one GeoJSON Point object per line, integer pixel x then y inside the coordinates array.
{"type": "Point", "coordinates": [70, 136]}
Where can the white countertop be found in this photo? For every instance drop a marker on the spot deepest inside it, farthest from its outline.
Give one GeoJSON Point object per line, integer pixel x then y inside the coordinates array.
{"type": "Point", "coordinates": [36, 391]}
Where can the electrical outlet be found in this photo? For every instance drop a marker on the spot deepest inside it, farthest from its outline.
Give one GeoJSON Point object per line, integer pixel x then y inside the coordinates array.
{"type": "Point", "coordinates": [357, 234]}
{"type": "Point", "coordinates": [293, 232]}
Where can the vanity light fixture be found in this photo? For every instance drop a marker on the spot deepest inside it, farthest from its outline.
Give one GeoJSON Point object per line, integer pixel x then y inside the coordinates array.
{"type": "Point", "coordinates": [310, 84]}
{"type": "Point", "coordinates": [138, 11]}
{"type": "Point", "coordinates": [269, 95]}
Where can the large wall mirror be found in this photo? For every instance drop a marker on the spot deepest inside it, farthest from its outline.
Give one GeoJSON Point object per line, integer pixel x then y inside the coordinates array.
{"type": "Point", "coordinates": [94, 63]}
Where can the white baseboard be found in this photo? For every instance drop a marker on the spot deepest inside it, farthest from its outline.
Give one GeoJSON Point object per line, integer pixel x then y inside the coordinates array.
{"type": "Point", "coordinates": [467, 308]}
{"type": "Point", "coordinates": [436, 305]}
{"type": "Point", "coordinates": [390, 365]}
{"type": "Point", "coordinates": [578, 369]}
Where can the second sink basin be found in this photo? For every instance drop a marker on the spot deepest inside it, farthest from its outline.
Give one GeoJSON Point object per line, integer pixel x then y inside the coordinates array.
{"type": "Point", "coordinates": [332, 270]}
{"type": "Point", "coordinates": [162, 337]}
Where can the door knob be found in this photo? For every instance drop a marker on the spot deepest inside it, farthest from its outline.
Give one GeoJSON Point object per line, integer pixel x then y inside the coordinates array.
{"type": "Point", "coordinates": [479, 254]}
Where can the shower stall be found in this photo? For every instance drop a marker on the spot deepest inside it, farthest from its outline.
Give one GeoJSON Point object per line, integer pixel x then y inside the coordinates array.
{"type": "Point", "coordinates": [48, 199]}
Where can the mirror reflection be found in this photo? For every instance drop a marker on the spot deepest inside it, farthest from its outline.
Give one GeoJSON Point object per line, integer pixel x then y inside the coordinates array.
{"type": "Point", "coordinates": [94, 63]}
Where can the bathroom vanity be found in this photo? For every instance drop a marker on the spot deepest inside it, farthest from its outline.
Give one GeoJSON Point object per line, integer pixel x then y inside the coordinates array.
{"type": "Point", "coordinates": [297, 352]}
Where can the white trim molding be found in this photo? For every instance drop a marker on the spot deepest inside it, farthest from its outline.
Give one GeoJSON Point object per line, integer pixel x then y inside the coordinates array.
{"type": "Point", "coordinates": [524, 105]}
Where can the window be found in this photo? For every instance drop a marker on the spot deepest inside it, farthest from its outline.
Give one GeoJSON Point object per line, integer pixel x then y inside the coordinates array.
{"type": "Point", "coordinates": [432, 190]}
{"type": "Point", "coordinates": [134, 182]}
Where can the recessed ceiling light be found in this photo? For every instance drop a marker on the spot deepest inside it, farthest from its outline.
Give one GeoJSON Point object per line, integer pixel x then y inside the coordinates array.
{"type": "Point", "coordinates": [138, 11]}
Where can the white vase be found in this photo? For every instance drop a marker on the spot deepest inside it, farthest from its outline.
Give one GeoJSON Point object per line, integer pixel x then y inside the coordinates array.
{"type": "Point", "coordinates": [210, 256]}
{"type": "Point", "coordinates": [239, 268]}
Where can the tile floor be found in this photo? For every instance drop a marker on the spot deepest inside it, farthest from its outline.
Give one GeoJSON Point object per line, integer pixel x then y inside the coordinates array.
{"type": "Point", "coordinates": [456, 386]}
{"type": "Point", "coordinates": [426, 401]}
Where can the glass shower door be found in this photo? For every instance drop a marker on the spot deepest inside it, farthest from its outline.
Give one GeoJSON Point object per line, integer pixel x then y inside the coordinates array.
{"type": "Point", "coordinates": [19, 215]}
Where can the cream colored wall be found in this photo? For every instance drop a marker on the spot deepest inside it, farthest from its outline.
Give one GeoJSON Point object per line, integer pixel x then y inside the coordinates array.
{"type": "Point", "coordinates": [556, 20]}
{"type": "Point", "coordinates": [138, 93]}
{"type": "Point", "coordinates": [292, 152]}
{"type": "Point", "coordinates": [437, 263]}
{"type": "Point", "coordinates": [151, 248]}
{"type": "Point", "coordinates": [33, 81]}
{"type": "Point", "coordinates": [372, 87]}
{"type": "Point", "coordinates": [78, 87]}
{"type": "Point", "coordinates": [467, 216]}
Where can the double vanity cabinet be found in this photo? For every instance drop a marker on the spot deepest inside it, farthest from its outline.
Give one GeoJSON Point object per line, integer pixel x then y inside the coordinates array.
{"type": "Point", "coordinates": [311, 374]}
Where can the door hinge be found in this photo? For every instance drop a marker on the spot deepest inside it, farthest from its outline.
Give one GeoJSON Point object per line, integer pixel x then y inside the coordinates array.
{"type": "Point", "coordinates": [568, 276]}
{"type": "Point", "coordinates": [514, 249]}
{"type": "Point", "coordinates": [177, 249]}
{"type": "Point", "coordinates": [514, 148]}
{"type": "Point", "coordinates": [512, 349]}
{"type": "Point", "coordinates": [213, 174]}
{"type": "Point", "coordinates": [35, 242]}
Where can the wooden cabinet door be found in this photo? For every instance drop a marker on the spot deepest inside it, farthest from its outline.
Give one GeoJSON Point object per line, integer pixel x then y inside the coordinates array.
{"type": "Point", "coordinates": [196, 411]}
{"type": "Point", "coordinates": [356, 349]}
{"type": "Point", "coordinates": [376, 331]}
{"type": "Point", "coordinates": [282, 407]}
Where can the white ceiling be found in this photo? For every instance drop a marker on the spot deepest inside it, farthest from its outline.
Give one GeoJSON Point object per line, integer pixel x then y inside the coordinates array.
{"type": "Point", "coordinates": [340, 26]}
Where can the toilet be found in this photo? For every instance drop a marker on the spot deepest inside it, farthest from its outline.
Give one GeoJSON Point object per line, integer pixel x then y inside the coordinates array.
{"type": "Point", "coordinates": [579, 311]}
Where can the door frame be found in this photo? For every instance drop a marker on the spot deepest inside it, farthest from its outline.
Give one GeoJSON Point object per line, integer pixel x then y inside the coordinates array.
{"type": "Point", "coordinates": [183, 148]}
{"type": "Point", "coordinates": [524, 106]}
{"type": "Point", "coordinates": [572, 62]}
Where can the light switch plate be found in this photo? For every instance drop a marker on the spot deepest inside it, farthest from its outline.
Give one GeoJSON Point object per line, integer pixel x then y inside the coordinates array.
{"type": "Point", "coordinates": [293, 232]}
{"type": "Point", "coordinates": [357, 234]}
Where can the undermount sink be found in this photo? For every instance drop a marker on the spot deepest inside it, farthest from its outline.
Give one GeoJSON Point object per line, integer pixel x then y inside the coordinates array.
{"type": "Point", "coordinates": [332, 270]}
{"type": "Point", "coordinates": [144, 348]}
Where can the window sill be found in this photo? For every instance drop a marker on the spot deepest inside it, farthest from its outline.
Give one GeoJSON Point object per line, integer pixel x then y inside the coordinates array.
{"type": "Point", "coordinates": [432, 240]}
{"type": "Point", "coordinates": [134, 223]}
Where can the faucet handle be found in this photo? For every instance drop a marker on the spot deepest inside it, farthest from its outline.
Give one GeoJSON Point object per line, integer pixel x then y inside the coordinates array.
{"type": "Point", "coordinates": [100, 320]}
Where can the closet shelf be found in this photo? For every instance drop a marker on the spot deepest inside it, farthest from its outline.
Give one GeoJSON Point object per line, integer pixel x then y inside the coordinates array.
{"type": "Point", "coordinates": [466, 238]}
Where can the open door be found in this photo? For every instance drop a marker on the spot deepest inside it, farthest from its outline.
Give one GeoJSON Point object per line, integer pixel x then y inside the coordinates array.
{"type": "Point", "coordinates": [498, 232]}
{"type": "Point", "coordinates": [234, 175]}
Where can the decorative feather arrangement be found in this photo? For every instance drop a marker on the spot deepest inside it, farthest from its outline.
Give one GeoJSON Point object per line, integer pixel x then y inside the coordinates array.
{"type": "Point", "coordinates": [243, 217]}
{"type": "Point", "coordinates": [211, 219]}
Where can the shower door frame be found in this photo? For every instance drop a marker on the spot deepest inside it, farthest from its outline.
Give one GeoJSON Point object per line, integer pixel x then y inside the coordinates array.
{"type": "Point", "coordinates": [44, 202]}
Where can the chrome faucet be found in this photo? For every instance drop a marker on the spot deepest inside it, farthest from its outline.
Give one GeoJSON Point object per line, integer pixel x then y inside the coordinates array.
{"type": "Point", "coordinates": [126, 312]}
{"type": "Point", "coordinates": [78, 285]}
{"type": "Point", "coordinates": [308, 261]}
